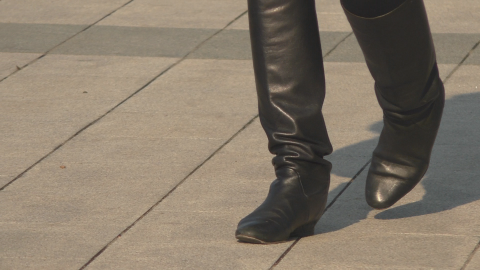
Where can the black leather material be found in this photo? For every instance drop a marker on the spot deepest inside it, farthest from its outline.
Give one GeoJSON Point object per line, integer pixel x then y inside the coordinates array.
{"type": "Point", "coordinates": [371, 8]}
{"type": "Point", "coordinates": [400, 55]}
{"type": "Point", "coordinates": [286, 212]}
{"type": "Point", "coordinates": [290, 83]}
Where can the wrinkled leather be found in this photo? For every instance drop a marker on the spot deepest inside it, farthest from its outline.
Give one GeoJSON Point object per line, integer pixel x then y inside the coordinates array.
{"type": "Point", "coordinates": [400, 55]}
{"type": "Point", "coordinates": [290, 83]}
{"type": "Point", "coordinates": [285, 210]}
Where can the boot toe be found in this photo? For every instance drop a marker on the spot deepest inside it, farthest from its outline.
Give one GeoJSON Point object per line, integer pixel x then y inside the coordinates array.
{"type": "Point", "coordinates": [259, 232]}
{"type": "Point", "coordinates": [382, 192]}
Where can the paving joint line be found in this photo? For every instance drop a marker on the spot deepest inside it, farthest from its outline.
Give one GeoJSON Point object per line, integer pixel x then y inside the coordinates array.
{"type": "Point", "coordinates": [338, 44]}
{"type": "Point", "coordinates": [470, 257]}
{"type": "Point", "coordinates": [63, 42]}
{"type": "Point", "coordinates": [461, 62]}
{"type": "Point", "coordinates": [477, 247]}
{"type": "Point", "coordinates": [123, 101]}
{"type": "Point", "coordinates": [364, 166]}
{"type": "Point", "coordinates": [194, 170]}
{"type": "Point", "coordinates": [78, 132]}
{"type": "Point", "coordinates": [169, 193]}
{"type": "Point", "coordinates": [284, 254]}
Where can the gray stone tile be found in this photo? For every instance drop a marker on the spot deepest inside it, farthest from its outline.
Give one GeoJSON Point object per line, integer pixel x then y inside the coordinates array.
{"type": "Point", "coordinates": [235, 44]}
{"type": "Point", "coordinates": [97, 66]}
{"type": "Point", "coordinates": [331, 39]}
{"type": "Point", "coordinates": [134, 41]}
{"type": "Point", "coordinates": [62, 12]}
{"type": "Point", "coordinates": [465, 81]}
{"type": "Point", "coordinates": [474, 58]}
{"type": "Point", "coordinates": [240, 24]}
{"type": "Point", "coordinates": [201, 87]}
{"type": "Point", "coordinates": [40, 263]}
{"type": "Point", "coordinates": [347, 51]}
{"type": "Point", "coordinates": [407, 236]}
{"type": "Point", "coordinates": [215, 197]}
{"type": "Point", "coordinates": [45, 103]}
{"type": "Point", "coordinates": [86, 183]}
{"type": "Point", "coordinates": [331, 16]}
{"type": "Point", "coordinates": [177, 14]}
{"type": "Point", "coordinates": [110, 175]}
{"type": "Point", "coordinates": [450, 48]}
{"type": "Point", "coordinates": [4, 179]}
{"type": "Point", "coordinates": [453, 16]}
{"type": "Point", "coordinates": [228, 44]}
{"type": "Point", "coordinates": [445, 70]}
{"type": "Point", "coordinates": [11, 62]}
{"type": "Point", "coordinates": [21, 241]}
{"type": "Point", "coordinates": [474, 263]}
{"type": "Point", "coordinates": [34, 38]}
{"type": "Point", "coordinates": [180, 240]}
{"type": "Point", "coordinates": [378, 250]}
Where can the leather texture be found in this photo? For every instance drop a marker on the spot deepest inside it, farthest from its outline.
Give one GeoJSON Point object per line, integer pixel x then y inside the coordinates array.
{"type": "Point", "coordinates": [286, 212]}
{"type": "Point", "coordinates": [400, 55]}
{"type": "Point", "coordinates": [371, 8]}
{"type": "Point", "coordinates": [290, 83]}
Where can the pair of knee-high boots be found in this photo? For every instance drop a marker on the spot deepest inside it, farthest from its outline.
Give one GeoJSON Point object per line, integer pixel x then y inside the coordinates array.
{"type": "Point", "coordinates": [287, 57]}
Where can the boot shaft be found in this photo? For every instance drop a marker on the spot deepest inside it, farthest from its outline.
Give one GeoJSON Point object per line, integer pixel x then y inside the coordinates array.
{"type": "Point", "coordinates": [400, 55]}
{"type": "Point", "coordinates": [290, 80]}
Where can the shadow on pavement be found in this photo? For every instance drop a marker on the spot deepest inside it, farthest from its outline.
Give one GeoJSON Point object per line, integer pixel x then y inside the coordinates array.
{"type": "Point", "coordinates": [451, 181]}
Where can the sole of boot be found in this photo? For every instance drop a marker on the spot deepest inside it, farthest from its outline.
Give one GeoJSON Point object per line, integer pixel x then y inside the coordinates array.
{"type": "Point", "coordinates": [302, 231]}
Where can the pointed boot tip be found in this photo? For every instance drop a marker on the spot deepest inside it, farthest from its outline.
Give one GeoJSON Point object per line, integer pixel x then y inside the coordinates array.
{"type": "Point", "coordinates": [380, 204]}
{"type": "Point", "coordinates": [249, 235]}
{"type": "Point", "coordinates": [249, 239]}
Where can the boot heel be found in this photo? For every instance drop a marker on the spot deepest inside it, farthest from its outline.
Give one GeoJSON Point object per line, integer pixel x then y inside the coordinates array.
{"type": "Point", "coordinates": [305, 230]}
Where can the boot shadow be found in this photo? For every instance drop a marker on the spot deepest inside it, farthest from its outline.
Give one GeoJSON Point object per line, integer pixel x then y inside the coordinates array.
{"type": "Point", "coordinates": [451, 181]}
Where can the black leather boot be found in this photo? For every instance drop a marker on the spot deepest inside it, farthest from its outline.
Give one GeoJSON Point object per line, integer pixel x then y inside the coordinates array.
{"type": "Point", "coordinates": [400, 55]}
{"type": "Point", "coordinates": [290, 84]}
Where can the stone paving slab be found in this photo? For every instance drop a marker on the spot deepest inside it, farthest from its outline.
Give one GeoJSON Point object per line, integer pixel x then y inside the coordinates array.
{"type": "Point", "coordinates": [52, 99]}
{"type": "Point", "coordinates": [12, 62]}
{"type": "Point", "coordinates": [34, 38]}
{"type": "Point", "coordinates": [71, 204]}
{"type": "Point", "coordinates": [474, 263]}
{"type": "Point", "coordinates": [134, 41]}
{"type": "Point", "coordinates": [448, 16]}
{"type": "Point", "coordinates": [474, 58]}
{"type": "Point", "coordinates": [61, 12]}
{"type": "Point", "coordinates": [85, 183]}
{"type": "Point", "coordinates": [203, 14]}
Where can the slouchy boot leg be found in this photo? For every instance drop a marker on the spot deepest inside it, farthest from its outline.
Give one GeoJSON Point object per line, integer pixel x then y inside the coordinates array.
{"type": "Point", "coordinates": [291, 88]}
{"type": "Point", "coordinates": [400, 55]}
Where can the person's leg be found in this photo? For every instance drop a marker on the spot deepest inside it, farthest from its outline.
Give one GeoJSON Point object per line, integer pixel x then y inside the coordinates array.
{"type": "Point", "coordinates": [400, 55]}
{"type": "Point", "coordinates": [290, 82]}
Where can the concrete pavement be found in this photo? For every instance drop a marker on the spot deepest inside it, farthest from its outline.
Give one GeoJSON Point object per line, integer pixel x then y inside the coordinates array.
{"type": "Point", "coordinates": [130, 140]}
